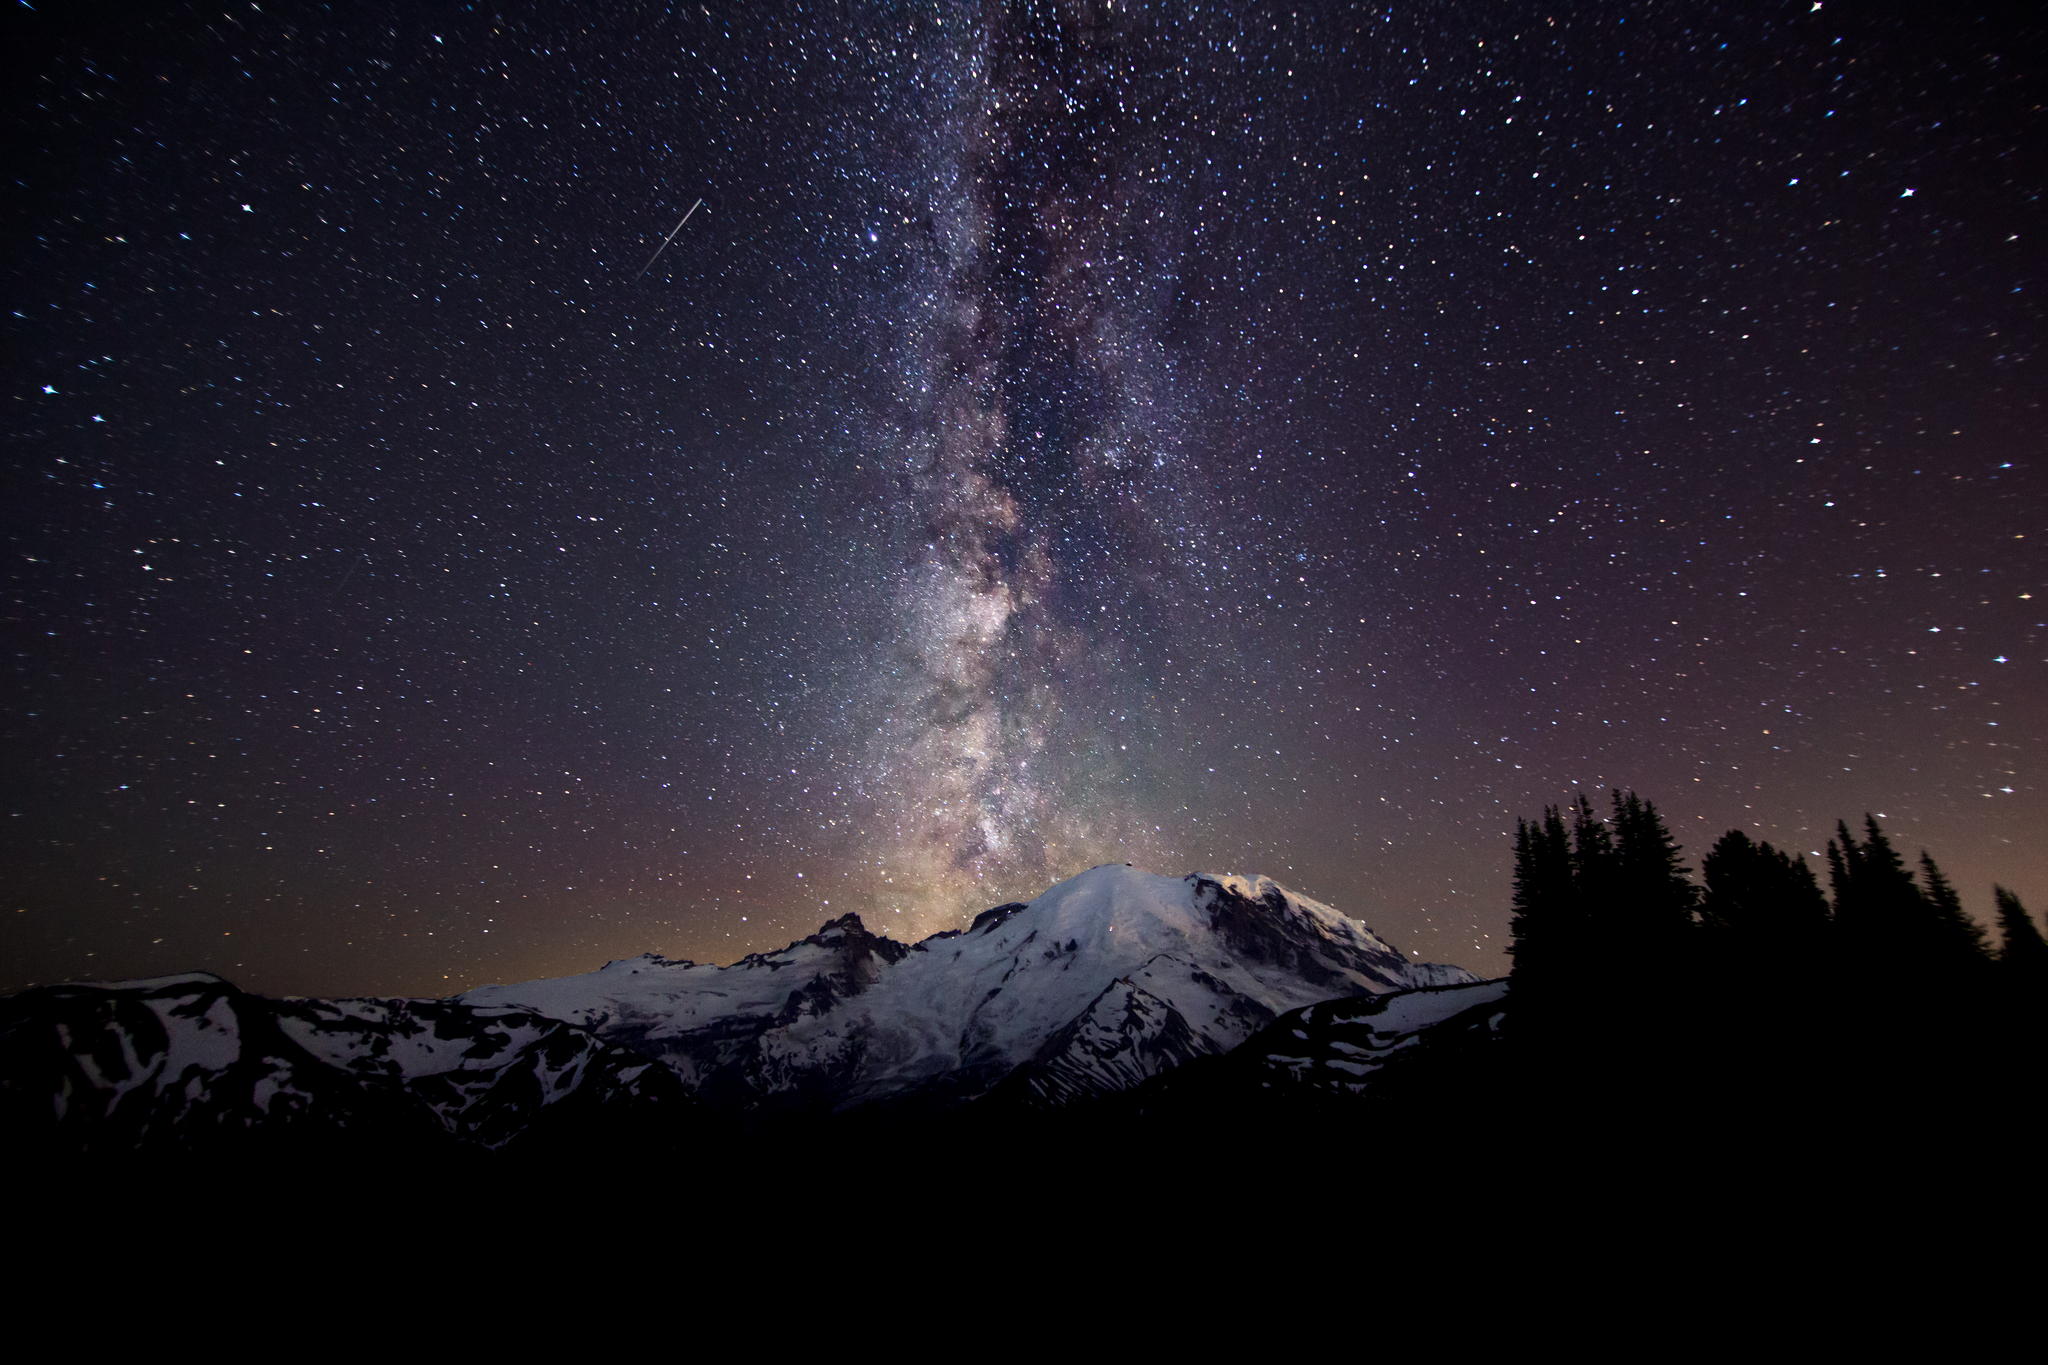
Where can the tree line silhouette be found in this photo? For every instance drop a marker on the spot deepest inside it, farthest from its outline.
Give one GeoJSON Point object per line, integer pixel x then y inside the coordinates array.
{"type": "Point", "coordinates": [1872, 997]}
{"type": "Point", "coordinates": [1597, 897]}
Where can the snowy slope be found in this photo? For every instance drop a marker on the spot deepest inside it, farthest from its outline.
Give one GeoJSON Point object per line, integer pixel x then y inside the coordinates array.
{"type": "Point", "coordinates": [1336, 1046]}
{"type": "Point", "coordinates": [1427, 1046]}
{"type": "Point", "coordinates": [1100, 982]}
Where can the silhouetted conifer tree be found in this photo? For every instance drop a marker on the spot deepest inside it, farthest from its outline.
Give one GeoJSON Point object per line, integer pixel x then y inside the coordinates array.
{"type": "Point", "coordinates": [1878, 908]}
{"type": "Point", "coordinates": [1593, 861]}
{"type": "Point", "coordinates": [1547, 926]}
{"type": "Point", "coordinates": [2023, 950]}
{"type": "Point", "coordinates": [1594, 868]}
{"type": "Point", "coordinates": [1950, 934]}
{"type": "Point", "coordinates": [1654, 897]}
{"type": "Point", "coordinates": [1883, 871]}
{"type": "Point", "coordinates": [1759, 900]}
{"type": "Point", "coordinates": [1838, 869]}
{"type": "Point", "coordinates": [1886, 921]}
{"type": "Point", "coordinates": [1597, 900]}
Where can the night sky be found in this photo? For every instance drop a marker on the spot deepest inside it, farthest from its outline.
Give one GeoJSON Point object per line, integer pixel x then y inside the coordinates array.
{"type": "Point", "coordinates": [1283, 439]}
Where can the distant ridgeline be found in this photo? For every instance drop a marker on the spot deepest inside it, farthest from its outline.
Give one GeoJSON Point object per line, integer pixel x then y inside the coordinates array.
{"type": "Point", "coordinates": [1199, 1016]}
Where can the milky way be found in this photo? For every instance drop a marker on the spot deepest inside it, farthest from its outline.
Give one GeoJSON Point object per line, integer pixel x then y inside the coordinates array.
{"type": "Point", "coordinates": [1037, 448]}
{"type": "Point", "coordinates": [1291, 440]}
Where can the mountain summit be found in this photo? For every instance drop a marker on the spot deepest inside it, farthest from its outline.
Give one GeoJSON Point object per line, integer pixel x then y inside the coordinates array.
{"type": "Point", "coordinates": [1098, 984]}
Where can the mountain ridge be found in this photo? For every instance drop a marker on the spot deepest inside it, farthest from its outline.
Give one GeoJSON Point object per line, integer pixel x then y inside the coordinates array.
{"type": "Point", "coordinates": [1098, 985]}
{"type": "Point", "coordinates": [862, 1017]}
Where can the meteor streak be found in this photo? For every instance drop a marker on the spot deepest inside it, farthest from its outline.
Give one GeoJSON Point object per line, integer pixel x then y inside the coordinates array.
{"type": "Point", "coordinates": [666, 240]}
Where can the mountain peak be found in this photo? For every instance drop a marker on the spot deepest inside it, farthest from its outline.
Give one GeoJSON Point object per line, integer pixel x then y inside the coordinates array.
{"type": "Point", "coordinates": [849, 932]}
{"type": "Point", "coordinates": [845, 1016]}
{"type": "Point", "coordinates": [848, 923]}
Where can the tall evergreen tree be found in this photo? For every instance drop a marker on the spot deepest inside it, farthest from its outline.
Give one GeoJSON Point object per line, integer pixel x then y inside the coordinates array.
{"type": "Point", "coordinates": [1887, 921]}
{"type": "Point", "coordinates": [1883, 875]}
{"type": "Point", "coordinates": [1547, 926]}
{"type": "Point", "coordinates": [1803, 888]}
{"type": "Point", "coordinates": [1838, 868]}
{"type": "Point", "coordinates": [1761, 900]}
{"type": "Point", "coordinates": [1650, 876]}
{"type": "Point", "coordinates": [1950, 934]}
{"type": "Point", "coordinates": [2023, 951]}
{"type": "Point", "coordinates": [1598, 899]}
{"type": "Point", "coordinates": [1525, 920]}
{"type": "Point", "coordinates": [1736, 893]}
{"type": "Point", "coordinates": [1877, 904]}
{"type": "Point", "coordinates": [1593, 860]}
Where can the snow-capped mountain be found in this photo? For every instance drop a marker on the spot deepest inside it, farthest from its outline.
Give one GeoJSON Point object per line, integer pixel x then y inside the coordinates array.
{"type": "Point", "coordinates": [186, 1060]}
{"type": "Point", "coordinates": [1102, 983]}
{"type": "Point", "coordinates": [1104, 980]}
